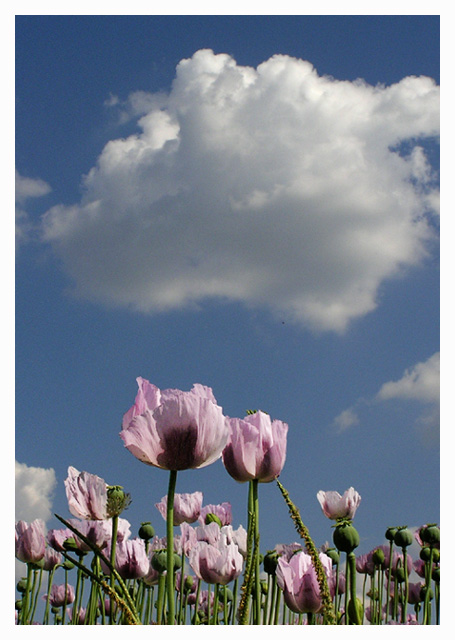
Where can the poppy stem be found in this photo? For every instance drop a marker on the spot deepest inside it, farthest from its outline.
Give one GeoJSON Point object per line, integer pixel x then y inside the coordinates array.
{"type": "Point", "coordinates": [170, 546]}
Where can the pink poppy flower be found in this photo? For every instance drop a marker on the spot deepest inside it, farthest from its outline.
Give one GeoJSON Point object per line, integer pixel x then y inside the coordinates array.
{"type": "Point", "coordinates": [256, 448]}
{"type": "Point", "coordinates": [297, 579]}
{"type": "Point", "coordinates": [187, 507]}
{"type": "Point", "coordinates": [86, 494]}
{"type": "Point", "coordinates": [218, 563]}
{"type": "Point", "coordinates": [336, 506]}
{"type": "Point", "coordinates": [174, 429]}
{"type": "Point", "coordinates": [30, 540]}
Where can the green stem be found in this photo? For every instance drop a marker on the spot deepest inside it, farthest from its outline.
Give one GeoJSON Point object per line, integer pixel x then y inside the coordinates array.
{"type": "Point", "coordinates": [161, 592]}
{"type": "Point", "coordinates": [170, 546]}
{"type": "Point", "coordinates": [388, 582]}
{"type": "Point", "coordinates": [112, 560]}
{"type": "Point", "coordinates": [36, 593]}
{"type": "Point", "coordinates": [406, 586]}
{"type": "Point", "coordinates": [257, 583]}
{"type": "Point", "coordinates": [26, 595]}
{"type": "Point", "coordinates": [352, 585]}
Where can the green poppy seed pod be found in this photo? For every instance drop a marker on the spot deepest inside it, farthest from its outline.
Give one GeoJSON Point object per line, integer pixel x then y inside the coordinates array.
{"type": "Point", "coordinates": [212, 517]}
{"type": "Point", "coordinates": [378, 557]}
{"type": "Point", "coordinates": [403, 537]}
{"type": "Point", "coordinates": [146, 531]}
{"type": "Point", "coordinates": [18, 605]}
{"type": "Point", "coordinates": [22, 585]}
{"type": "Point", "coordinates": [333, 555]}
{"type": "Point", "coordinates": [346, 537]}
{"type": "Point", "coordinates": [177, 561]}
{"type": "Point", "coordinates": [117, 500]}
{"type": "Point", "coordinates": [264, 587]}
{"type": "Point", "coordinates": [436, 574]}
{"type": "Point", "coordinates": [270, 562]}
{"type": "Point", "coordinates": [68, 565]}
{"type": "Point", "coordinates": [159, 560]}
{"type": "Point", "coordinates": [425, 553]}
{"type": "Point", "coordinates": [430, 534]}
{"type": "Point", "coordinates": [390, 533]}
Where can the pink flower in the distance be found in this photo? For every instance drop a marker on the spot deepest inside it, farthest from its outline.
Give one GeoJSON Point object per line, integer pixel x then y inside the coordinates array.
{"type": "Point", "coordinates": [187, 507]}
{"type": "Point", "coordinates": [336, 506]}
{"type": "Point", "coordinates": [30, 540]}
{"type": "Point", "coordinates": [256, 448]}
{"type": "Point", "coordinates": [174, 429]}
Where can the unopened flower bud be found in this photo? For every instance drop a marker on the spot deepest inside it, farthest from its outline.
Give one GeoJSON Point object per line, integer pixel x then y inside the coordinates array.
{"type": "Point", "coordinates": [117, 500]}
{"type": "Point", "coordinates": [346, 537]}
{"type": "Point", "coordinates": [22, 585]}
{"type": "Point", "coordinates": [403, 537]}
{"type": "Point", "coordinates": [355, 608]}
{"type": "Point", "coordinates": [270, 562]}
{"type": "Point", "coordinates": [436, 574]}
{"type": "Point", "coordinates": [18, 605]}
{"type": "Point", "coordinates": [212, 517]}
{"type": "Point", "coordinates": [146, 531]}
{"type": "Point", "coordinates": [68, 565]}
{"type": "Point", "coordinates": [378, 557]}
{"type": "Point", "coordinates": [70, 544]}
{"type": "Point", "coordinates": [430, 534]}
{"type": "Point", "coordinates": [333, 555]}
{"type": "Point", "coordinates": [423, 592]}
{"type": "Point", "coordinates": [399, 574]}
{"type": "Point", "coordinates": [177, 561]}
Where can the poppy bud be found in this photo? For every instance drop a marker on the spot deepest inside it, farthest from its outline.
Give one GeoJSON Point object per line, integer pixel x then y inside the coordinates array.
{"type": "Point", "coordinates": [70, 544]}
{"type": "Point", "coordinates": [146, 531]}
{"type": "Point", "coordinates": [333, 555]}
{"type": "Point", "coordinates": [22, 585]}
{"type": "Point", "coordinates": [378, 557]}
{"type": "Point", "coordinates": [430, 534]}
{"type": "Point", "coordinates": [399, 574]}
{"type": "Point", "coordinates": [18, 605]}
{"type": "Point", "coordinates": [436, 574]}
{"type": "Point", "coordinates": [355, 611]}
{"type": "Point", "coordinates": [423, 592]}
{"type": "Point", "coordinates": [270, 562]}
{"type": "Point", "coordinates": [403, 537]}
{"type": "Point", "coordinates": [212, 517]}
{"type": "Point", "coordinates": [346, 537]}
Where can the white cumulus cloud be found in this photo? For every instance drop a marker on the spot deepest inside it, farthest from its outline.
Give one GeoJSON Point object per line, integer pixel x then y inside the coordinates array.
{"type": "Point", "coordinates": [273, 186]}
{"type": "Point", "coordinates": [346, 419]}
{"type": "Point", "coordinates": [421, 382]}
{"type": "Point", "coordinates": [35, 488]}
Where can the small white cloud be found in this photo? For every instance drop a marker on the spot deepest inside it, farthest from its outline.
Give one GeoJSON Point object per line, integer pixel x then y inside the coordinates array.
{"type": "Point", "coordinates": [421, 383]}
{"type": "Point", "coordinates": [346, 419]}
{"type": "Point", "coordinates": [26, 188]}
{"type": "Point", "coordinates": [271, 186]}
{"type": "Point", "coordinates": [34, 492]}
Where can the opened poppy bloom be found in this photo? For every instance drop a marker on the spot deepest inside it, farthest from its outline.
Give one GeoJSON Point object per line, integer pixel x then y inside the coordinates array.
{"type": "Point", "coordinates": [256, 448]}
{"type": "Point", "coordinates": [336, 506]}
{"type": "Point", "coordinates": [87, 495]}
{"type": "Point", "coordinates": [217, 563]}
{"type": "Point", "coordinates": [297, 579]}
{"type": "Point", "coordinates": [174, 429]}
{"type": "Point", "coordinates": [187, 507]}
{"type": "Point", "coordinates": [30, 540]}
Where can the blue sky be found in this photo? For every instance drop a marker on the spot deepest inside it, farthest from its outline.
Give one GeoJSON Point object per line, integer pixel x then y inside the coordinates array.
{"type": "Point", "coordinates": [247, 202]}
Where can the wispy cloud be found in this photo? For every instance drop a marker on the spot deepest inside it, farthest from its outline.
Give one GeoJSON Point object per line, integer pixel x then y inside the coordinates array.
{"type": "Point", "coordinates": [274, 186]}
{"type": "Point", "coordinates": [26, 188]}
{"type": "Point", "coordinates": [420, 384]}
